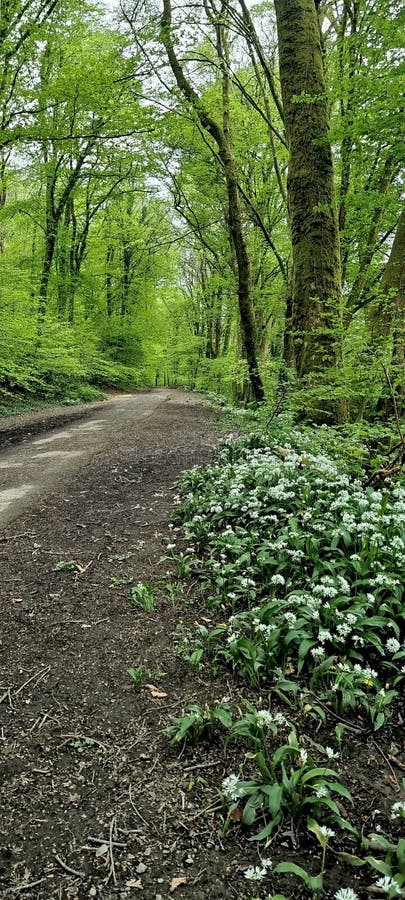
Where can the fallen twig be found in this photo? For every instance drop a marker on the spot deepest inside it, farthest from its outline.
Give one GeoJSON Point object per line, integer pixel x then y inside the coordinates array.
{"type": "Point", "coordinates": [29, 885]}
{"type": "Point", "coordinates": [206, 765]}
{"type": "Point", "coordinates": [6, 694]}
{"type": "Point", "coordinates": [39, 675]}
{"type": "Point", "coordinates": [386, 760]}
{"type": "Point", "coordinates": [95, 840]}
{"type": "Point", "coordinates": [68, 868]}
{"type": "Point", "coordinates": [355, 728]}
{"type": "Point", "coordinates": [111, 873]}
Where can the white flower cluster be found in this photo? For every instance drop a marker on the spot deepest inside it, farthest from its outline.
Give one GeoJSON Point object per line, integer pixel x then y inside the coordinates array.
{"type": "Point", "coordinates": [257, 873]}
{"type": "Point", "coordinates": [346, 894]}
{"type": "Point", "coordinates": [231, 788]}
{"type": "Point", "coordinates": [398, 810]}
{"type": "Point", "coordinates": [263, 521]}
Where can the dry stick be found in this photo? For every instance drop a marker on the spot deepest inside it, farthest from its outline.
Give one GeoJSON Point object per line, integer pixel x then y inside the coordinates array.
{"type": "Point", "coordinates": [355, 728]}
{"type": "Point", "coordinates": [212, 807]}
{"type": "Point", "coordinates": [110, 848]}
{"type": "Point", "coordinates": [14, 537]}
{"type": "Point", "coordinates": [207, 765]}
{"type": "Point", "coordinates": [397, 762]}
{"type": "Point", "coordinates": [40, 675]}
{"type": "Point", "coordinates": [95, 840]}
{"type": "Point", "coordinates": [68, 868]}
{"type": "Point", "coordinates": [386, 760]}
{"type": "Point", "coordinates": [27, 887]}
{"type": "Point", "coordinates": [148, 825]}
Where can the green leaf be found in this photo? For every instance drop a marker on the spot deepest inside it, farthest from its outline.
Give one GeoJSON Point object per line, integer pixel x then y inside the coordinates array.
{"type": "Point", "coordinates": [380, 866]}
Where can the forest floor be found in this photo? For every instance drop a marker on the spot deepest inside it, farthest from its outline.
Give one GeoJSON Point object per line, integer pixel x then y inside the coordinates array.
{"type": "Point", "coordinates": [94, 800]}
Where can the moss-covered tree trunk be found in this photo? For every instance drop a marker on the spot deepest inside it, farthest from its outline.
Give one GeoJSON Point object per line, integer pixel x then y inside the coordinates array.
{"type": "Point", "coordinates": [316, 286]}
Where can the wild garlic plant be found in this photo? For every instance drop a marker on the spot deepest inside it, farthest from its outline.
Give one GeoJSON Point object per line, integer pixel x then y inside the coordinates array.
{"type": "Point", "coordinates": [290, 785]}
{"type": "Point", "coordinates": [306, 563]}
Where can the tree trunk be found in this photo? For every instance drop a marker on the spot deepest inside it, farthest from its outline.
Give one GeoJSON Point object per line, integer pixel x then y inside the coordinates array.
{"type": "Point", "coordinates": [316, 283]}
{"type": "Point", "coordinates": [387, 314]}
{"type": "Point", "coordinates": [108, 280]}
{"type": "Point", "coordinates": [49, 252]}
{"type": "Point", "coordinates": [63, 266]}
{"type": "Point", "coordinates": [221, 136]}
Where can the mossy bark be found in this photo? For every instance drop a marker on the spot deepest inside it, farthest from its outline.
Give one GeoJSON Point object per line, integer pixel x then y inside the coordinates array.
{"type": "Point", "coordinates": [316, 283]}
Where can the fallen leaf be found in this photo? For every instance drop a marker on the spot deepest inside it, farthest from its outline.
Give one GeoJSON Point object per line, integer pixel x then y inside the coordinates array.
{"type": "Point", "coordinates": [135, 883]}
{"type": "Point", "coordinates": [176, 882]}
{"type": "Point", "coordinates": [154, 692]}
{"type": "Point", "coordinates": [236, 815]}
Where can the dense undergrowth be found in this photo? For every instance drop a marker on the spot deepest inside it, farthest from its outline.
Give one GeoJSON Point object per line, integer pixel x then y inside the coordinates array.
{"type": "Point", "coordinates": [297, 543]}
{"type": "Point", "coordinates": [61, 363]}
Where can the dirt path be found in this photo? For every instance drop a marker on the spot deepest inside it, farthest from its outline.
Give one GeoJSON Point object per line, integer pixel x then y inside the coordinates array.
{"type": "Point", "coordinates": [38, 463]}
{"type": "Point", "coordinates": [94, 803]}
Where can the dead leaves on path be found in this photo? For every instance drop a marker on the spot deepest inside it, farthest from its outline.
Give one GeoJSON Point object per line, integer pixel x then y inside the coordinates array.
{"type": "Point", "coordinates": [155, 692]}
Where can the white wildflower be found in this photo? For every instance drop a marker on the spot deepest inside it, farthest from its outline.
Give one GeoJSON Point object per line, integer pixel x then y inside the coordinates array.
{"type": "Point", "coordinates": [277, 579]}
{"type": "Point", "coordinates": [264, 718]}
{"type": "Point", "coordinates": [324, 635]}
{"type": "Point", "coordinates": [318, 652]}
{"type": "Point", "coordinates": [255, 873]}
{"type": "Point", "coordinates": [388, 884]}
{"type": "Point", "coordinates": [322, 791]}
{"type": "Point", "coordinates": [393, 645]}
{"type": "Point", "coordinates": [346, 894]}
{"type": "Point", "coordinates": [330, 753]}
{"type": "Point", "coordinates": [230, 787]}
{"type": "Point", "coordinates": [398, 810]}
{"type": "Point", "coordinates": [326, 832]}
{"type": "Point", "coordinates": [279, 719]}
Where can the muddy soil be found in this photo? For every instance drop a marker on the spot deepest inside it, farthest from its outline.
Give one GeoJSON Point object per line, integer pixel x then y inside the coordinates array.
{"type": "Point", "coordinates": [94, 801]}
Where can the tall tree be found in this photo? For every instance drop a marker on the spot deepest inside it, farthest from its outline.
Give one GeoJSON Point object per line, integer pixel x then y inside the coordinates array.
{"type": "Point", "coordinates": [221, 133]}
{"type": "Point", "coordinates": [316, 280]}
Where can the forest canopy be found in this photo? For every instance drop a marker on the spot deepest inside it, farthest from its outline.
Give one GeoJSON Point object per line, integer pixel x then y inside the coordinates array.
{"type": "Point", "coordinates": [205, 195]}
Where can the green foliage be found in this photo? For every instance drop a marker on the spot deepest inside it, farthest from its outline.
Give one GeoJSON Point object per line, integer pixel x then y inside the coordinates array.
{"type": "Point", "coordinates": [199, 722]}
{"type": "Point", "coordinates": [309, 562]}
{"type": "Point", "coordinates": [139, 675]}
{"type": "Point", "coordinates": [290, 785]}
{"type": "Point", "coordinates": [142, 595]}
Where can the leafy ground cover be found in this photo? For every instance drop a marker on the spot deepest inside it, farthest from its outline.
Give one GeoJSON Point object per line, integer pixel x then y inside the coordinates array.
{"type": "Point", "coordinates": [298, 557]}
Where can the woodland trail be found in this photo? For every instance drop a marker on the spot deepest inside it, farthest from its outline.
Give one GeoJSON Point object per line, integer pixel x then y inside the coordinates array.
{"type": "Point", "coordinates": [38, 463]}
{"type": "Point", "coordinates": [94, 801]}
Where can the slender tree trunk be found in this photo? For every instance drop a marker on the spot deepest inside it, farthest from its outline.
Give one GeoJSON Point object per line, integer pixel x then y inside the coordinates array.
{"type": "Point", "coordinates": [49, 253]}
{"type": "Point", "coordinates": [316, 282]}
{"type": "Point", "coordinates": [366, 257]}
{"type": "Point", "coordinates": [221, 136]}
{"type": "Point", "coordinates": [108, 280]}
{"type": "Point", "coordinates": [63, 266]}
{"type": "Point", "coordinates": [387, 314]}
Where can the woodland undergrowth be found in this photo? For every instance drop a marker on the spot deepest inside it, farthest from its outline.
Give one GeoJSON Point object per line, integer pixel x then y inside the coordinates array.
{"type": "Point", "coordinates": [296, 541]}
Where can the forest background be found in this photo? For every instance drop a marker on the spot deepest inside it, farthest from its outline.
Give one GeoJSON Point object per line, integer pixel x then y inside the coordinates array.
{"type": "Point", "coordinates": [206, 196]}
